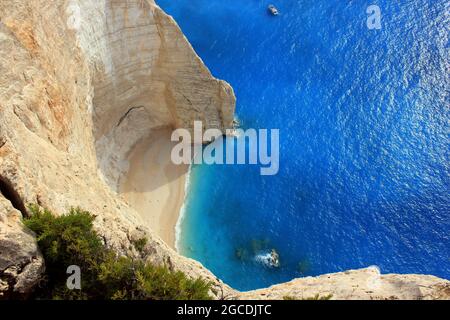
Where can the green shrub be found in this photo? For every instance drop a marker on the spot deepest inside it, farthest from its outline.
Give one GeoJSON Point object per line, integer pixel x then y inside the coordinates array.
{"type": "Point", "coordinates": [139, 244]}
{"type": "Point", "coordinates": [316, 297]}
{"type": "Point", "coordinates": [70, 240]}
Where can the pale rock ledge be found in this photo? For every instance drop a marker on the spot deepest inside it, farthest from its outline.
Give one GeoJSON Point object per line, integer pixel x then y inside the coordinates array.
{"type": "Point", "coordinates": [81, 83]}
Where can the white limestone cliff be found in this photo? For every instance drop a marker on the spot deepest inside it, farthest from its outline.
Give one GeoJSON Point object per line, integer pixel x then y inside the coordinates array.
{"type": "Point", "coordinates": [81, 82]}
{"type": "Point", "coordinates": [75, 97]}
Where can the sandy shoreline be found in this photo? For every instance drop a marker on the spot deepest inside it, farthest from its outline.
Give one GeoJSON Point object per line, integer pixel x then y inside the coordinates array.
{"type": "Point", "coordinates": [155, 186]}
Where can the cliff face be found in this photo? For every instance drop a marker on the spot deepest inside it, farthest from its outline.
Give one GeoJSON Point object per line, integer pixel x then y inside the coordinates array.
{"type": "Point", "coordinates": [145, 75]}
{"type": "Point", "coordinates": [81, 82]}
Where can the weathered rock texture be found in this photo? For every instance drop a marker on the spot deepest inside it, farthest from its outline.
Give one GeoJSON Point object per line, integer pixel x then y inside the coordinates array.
{"type": "Point", "coordinates": [363, 284]}
{"type": "Point", "coordinates": [21, 264]}
{"type": "Point", "coordinates": [81, 82]}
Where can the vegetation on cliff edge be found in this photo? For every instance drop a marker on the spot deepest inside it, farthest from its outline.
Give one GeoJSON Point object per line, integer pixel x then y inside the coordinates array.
{"type": "Point", "coordinates": [71, 240]}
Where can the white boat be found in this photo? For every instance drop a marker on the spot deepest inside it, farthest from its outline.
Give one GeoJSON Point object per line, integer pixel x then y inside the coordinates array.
{"type": "Point", "coordinates": [273, 11]}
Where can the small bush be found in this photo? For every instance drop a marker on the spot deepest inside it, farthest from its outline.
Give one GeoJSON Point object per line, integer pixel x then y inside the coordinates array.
{"type": "Point", "coordinates": [139, 244]}
{"type": "Point", "coordinates": [316, 297]}
{"type": "Point", "coordinates": [70, 240]}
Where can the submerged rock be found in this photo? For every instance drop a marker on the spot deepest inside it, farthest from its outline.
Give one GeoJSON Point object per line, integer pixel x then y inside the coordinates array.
{"type": "Point", "coordinates": [241, 254]}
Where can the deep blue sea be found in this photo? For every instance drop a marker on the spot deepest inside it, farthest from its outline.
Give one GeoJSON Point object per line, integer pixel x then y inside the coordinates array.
{"type": "Point", "coordinates": [364, 119]}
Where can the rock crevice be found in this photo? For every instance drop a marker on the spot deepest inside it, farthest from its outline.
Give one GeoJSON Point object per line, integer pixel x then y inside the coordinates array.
{"type": "Point", "coordinates": [10, 194]}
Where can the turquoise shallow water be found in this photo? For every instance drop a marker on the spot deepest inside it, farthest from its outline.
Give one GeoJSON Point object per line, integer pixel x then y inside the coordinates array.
{"type": "Point", "coordinates": [364, 129]}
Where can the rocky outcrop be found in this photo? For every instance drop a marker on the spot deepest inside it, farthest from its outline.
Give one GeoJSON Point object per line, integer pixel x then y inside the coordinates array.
{"type": "Point", "coordinates": [21, 264]}
{"type": "Point", "coordinates": [363, 284]}
{"type": "Point", "coordinates": [81, 83]}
